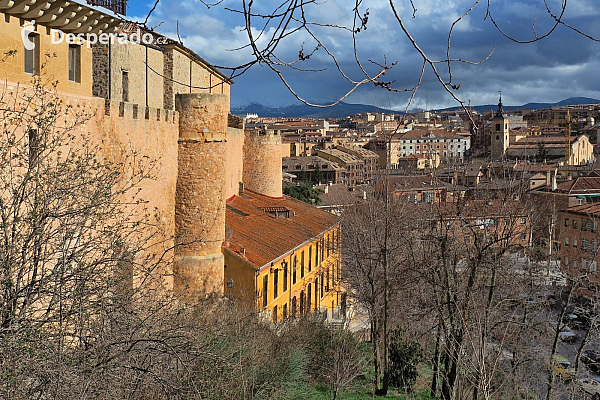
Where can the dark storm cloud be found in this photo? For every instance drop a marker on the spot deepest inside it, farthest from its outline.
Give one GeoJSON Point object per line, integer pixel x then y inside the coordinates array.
{"type": "Point", "coordinates": [560, 66]}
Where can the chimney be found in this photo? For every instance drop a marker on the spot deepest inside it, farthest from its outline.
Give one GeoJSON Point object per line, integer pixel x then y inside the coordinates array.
{"type": "Point", "coordinates": [364, 195]}
{"type": "Point", "coordinates": [326, 189]}
{"type": "Point", "coordinates": [554, 186]}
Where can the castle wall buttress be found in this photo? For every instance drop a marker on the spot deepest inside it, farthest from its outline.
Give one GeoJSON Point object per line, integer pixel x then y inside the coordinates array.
{"type": "Point", "coordinates": [200, 194]}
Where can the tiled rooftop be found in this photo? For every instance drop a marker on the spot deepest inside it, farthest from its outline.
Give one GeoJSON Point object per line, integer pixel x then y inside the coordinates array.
{"type": "Point", "coordinates": [264, 237]}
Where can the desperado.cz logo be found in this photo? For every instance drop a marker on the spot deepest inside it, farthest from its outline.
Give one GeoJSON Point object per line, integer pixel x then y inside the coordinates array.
{"type": "Point", "coordinates": [57, 36]}
{"type": "Point", "coordinates": [26, 30]}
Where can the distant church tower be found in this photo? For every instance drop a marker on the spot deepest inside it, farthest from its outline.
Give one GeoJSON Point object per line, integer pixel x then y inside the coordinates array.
{"type": "Point", "coordinates": [500, 133]}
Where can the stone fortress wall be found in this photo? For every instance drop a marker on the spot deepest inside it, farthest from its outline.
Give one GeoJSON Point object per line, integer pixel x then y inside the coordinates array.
{"type": "Point", "coordinates": [168, 105]}
{"type": "Point", "coordinates": [262, 162]}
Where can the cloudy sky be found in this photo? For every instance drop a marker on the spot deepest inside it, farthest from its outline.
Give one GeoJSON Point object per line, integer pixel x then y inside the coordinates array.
{"type": "Point", "coordinates": [563, 65]}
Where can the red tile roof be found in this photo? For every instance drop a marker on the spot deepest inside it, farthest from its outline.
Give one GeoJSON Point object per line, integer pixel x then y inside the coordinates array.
{"type": "Point", "coordinates": [581, 185]}
{"type": "Point", "coordinates": [260, 237]}
{"type": "Point", "coordinates": [539, 167]}
{"type": "Point", "coordinates": [592, 209]}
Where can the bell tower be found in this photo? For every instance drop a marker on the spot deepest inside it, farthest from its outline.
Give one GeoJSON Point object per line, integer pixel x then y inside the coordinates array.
{"type": "Point", "coordinates": [499, 130]}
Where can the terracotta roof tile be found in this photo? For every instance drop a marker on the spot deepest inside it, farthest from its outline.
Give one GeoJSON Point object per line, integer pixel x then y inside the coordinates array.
{"type": "Point", "coordinates": [265, 238]}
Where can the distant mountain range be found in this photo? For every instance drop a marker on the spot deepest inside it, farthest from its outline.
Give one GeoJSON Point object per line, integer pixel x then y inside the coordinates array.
{"type": "Point", "coordinates": [533, 106]}
{"type": "Point", "coordinates": [342, 109]}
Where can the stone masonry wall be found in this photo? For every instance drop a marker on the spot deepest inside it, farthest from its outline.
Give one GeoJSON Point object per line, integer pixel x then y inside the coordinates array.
{"type": "Point", "coordinates": [121, 131]}
{"type": "Point", "coordinates": [200, 194]}
{"type": "Point", "coordinates": [234, 162]}
{"type": "Point", "coordinates": [145, 78]}
{"type": "Point", "coordinates": [262, 162]}
{"type": "Point", "coordinates": [100, 77]}
{"type": "Point", "coordinates": [168, 95]}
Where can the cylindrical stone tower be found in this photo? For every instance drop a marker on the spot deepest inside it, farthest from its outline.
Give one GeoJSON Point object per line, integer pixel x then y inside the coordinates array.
{"type": "Point", "coordinates": [199, 200]}
{"type": "Point", "coordinates": [262, 162]}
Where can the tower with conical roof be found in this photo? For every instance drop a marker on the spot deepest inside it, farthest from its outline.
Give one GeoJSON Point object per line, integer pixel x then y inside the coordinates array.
{"type": "Point", "coordinates": [500, 133]}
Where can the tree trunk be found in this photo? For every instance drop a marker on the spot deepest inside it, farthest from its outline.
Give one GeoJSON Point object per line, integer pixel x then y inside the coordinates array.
{"type": "Point", "coordinates": [436, 362]}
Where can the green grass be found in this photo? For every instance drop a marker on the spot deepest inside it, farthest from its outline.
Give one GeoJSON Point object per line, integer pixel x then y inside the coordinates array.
{"type": "Point", "coordinates": [362, 393]}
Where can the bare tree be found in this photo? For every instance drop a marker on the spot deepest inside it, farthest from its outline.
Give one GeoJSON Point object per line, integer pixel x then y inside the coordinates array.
{"type": "Point", "coordinates": [268, 28]}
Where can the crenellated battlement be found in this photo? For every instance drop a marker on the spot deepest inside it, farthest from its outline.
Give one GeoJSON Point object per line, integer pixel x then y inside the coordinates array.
{"type": "Point", "coordinates": [135, 111]}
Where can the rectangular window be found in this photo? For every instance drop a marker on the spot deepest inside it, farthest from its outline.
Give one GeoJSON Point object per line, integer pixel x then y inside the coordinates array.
{"type": "Point", "coordinates": [265, 289]}
{"type": "Point", "coordinates": [275, 314]}
{"type": "Point", "coordinates": [32, 57]}
{"type": "Point", "coordinates": [74, 63]}
{"type": "Point", "coordinates": [574, 224]}
{"type": "Point", "coordinates": [309, 258]}
{"type": "Point", "coordinates": [275, 283]}
{"type": "Point", "coordinates": [322, 249]}
{"type": "Point", "coordinates": [523, 220]}
{"type": "Point", "coordinates": [327, 285]}
{"type": "Point", "coordinates": [302, 264]}
{"type": "Point", "coordinates": [294, 269]}
{"type": "Point", "coordinates": [322, 285]}
{"type": "Point", "coordinates": [566, 222]}
{"type": "Point", "coordinates": [285, 275]}
{"type": "Point", "coordinates": [567, 242]}
{"type": "Point", "coordinates": [285, 315]}
{"type": "Point", "coordinates": [317, 254]}
{"type": "Point", "coordinates": [574, 243]}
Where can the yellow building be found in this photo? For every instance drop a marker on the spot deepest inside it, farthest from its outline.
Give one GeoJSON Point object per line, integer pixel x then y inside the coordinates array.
{"type": "Point", "coordinates": [283, 257]}
{"type": "Point", "coordinates": [68, 64]}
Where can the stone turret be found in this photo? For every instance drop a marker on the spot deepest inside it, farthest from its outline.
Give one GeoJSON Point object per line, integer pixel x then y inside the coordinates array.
{"type": "Point", "coordinates": [262, 162]}
{"type": "Point", "coordinates": [200, 196]}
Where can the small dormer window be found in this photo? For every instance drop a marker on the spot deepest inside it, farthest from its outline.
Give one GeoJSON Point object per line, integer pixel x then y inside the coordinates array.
{"type": "Point", "coordinates": [277, 212]}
